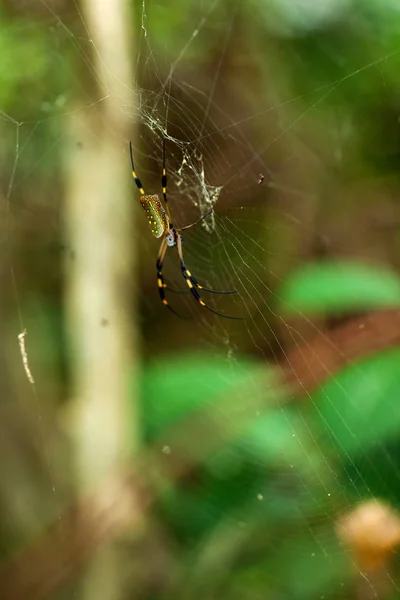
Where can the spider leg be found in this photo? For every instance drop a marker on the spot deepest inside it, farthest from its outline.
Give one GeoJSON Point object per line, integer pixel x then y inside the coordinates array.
{"type": "Point", "coordinates": [135, 177]}
{"type": "Point", "coordinates": [198, 286]}
{"type": "Point", "coordinates": [188, 278]}
{"type": "Point", "coordinates": [162, 286]}
{"type": "Point", "coordinates": [193, 279]}
{"type": "Point", "coordinates": [164, 183]}
{"type": "Point", "coordinates": [201, 287]}
{"type": "Point", "coordinates": [160, 277]}
{"type": "Point", "coordinates": [196, 222]}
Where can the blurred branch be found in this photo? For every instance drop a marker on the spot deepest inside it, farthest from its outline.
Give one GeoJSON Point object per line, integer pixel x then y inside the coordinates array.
{"type": "Point", "coordinates": [310, 365]}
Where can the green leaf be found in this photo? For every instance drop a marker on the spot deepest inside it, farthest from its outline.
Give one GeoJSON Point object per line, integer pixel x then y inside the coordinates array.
{"type": "Point", "coordinates": [229, 391]}
{"type": "Point", "coordinates": [338, 287]}
{"type": "Point", "coordinates": [360, 407]}
{"type": "Point", "coordinates": [173, 388]}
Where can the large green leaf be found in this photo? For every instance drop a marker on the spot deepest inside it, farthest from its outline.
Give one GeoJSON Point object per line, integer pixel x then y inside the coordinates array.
{"type": "Point", "coordinates": [360, 407]}
{"type": "Point", "coordinates": [337, 287]}
{"type": "Point", "coordinates": [174, 388]}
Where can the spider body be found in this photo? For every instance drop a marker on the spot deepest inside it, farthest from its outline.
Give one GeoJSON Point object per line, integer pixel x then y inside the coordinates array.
{"type": "Point", "coordinates": [155, 213]}
{"type": "Point", "coordinates": [161, 226]}
{"type": "Point", "coordinates": [158, 219]}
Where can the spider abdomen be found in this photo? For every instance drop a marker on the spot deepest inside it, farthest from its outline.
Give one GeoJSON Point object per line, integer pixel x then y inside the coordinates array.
{"type": "Point", "coordinates": [155, 213]}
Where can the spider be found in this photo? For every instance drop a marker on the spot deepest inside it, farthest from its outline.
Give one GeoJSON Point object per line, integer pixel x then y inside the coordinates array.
{"type": "Point", "coordinates": [160, 221]}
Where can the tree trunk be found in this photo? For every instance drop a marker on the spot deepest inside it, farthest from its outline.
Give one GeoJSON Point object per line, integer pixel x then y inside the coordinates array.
{"type": "Point", "coordinates": [100, 311]}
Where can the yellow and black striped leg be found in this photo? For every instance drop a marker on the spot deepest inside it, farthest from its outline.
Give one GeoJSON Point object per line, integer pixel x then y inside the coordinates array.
{"type": "Point", "coordinates": [164, 183]}
{"type": "Point", "coordinates": [193, 279]}
{"type": "Point", "coordinates": [162, 286]}
{"type": "Point", "coordinates": [201, 287]}
{"type": "Point", "coordinates": [135, 177]}
{"type": "Point", "coordinates": [160, 277]}
{"type": "Point", "coordinates": [188, 278]}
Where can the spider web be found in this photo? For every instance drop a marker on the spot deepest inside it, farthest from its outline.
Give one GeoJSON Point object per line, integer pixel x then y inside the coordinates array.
{"type": "Point", "coordinates": [242, 138]}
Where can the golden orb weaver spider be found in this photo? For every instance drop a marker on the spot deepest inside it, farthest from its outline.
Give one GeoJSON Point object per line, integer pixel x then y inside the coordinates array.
{"type": "Point", "coordinates": [160, 221]}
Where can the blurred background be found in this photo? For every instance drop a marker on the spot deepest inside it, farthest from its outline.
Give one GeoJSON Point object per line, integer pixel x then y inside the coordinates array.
{"type": "Point", "coordinates": [144, 455]}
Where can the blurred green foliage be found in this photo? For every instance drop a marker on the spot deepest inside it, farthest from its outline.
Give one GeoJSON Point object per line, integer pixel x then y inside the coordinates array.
{"type": "Point", "coordinates": [338, 288]}
{"type": "Point", "coordinates": [255, 514]}
{"type": "Point", "coordinates": [288, 466]}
